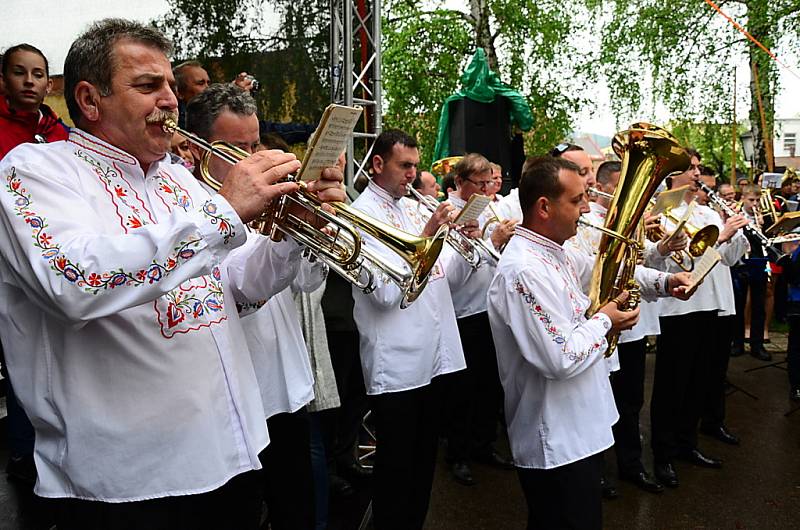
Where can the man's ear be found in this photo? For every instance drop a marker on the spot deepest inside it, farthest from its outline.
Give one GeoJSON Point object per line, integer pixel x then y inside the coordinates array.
{"type": "Point", "coordinates": [88, 99]}
{"type": "Point", "coordinates": [378, 163]}
{"type": "Point", "coordinates": [542, 207]}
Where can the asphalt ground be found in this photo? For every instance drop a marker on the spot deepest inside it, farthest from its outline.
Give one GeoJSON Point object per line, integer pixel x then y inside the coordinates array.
{"type": "Point", "coordinates": [758, 486]}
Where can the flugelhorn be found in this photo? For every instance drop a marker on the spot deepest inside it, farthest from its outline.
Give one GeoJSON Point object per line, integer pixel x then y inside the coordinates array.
{"type": "Point", "coordinates": [341, 249]}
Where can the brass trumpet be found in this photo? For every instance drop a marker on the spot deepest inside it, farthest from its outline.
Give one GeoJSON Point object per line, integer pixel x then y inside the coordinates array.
{"type": "Point", "coordinates": [341, 250]}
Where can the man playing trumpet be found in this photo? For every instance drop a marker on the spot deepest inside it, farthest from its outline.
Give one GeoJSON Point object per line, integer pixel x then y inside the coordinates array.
{"type": "Point", "coordinates": [121, 278]}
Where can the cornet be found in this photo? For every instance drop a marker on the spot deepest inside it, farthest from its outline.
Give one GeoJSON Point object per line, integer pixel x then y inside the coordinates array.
{"type": "Point", "coordinates": [342, 250]}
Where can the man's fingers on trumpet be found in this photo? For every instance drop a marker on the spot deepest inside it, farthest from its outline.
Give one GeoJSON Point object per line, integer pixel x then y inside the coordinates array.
{"type": "Point", "coordinates": [329, 186]}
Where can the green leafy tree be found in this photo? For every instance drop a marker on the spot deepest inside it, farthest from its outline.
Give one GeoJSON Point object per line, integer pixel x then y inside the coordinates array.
{"type": "Point", "coordinates": [713, 141]}
{"type": "Point", "coordinates": [683, 54]}
{"type": "Point", "coordinates": [291, 62]}
{"type": "Point", "coordinates": [529, 43]}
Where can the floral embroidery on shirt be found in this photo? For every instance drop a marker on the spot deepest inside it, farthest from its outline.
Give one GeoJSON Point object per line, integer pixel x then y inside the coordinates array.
{"type": "Point", "coordinates": [90, 282]}
{"type": "Point", "coordinates": [176, 194]}
{"type": "Point", "coordinates": [195, 304]}
{"type": "Point", "coordinates": [130, 208]}
{"type": "Point", "coordinates": [552, 330]}
{"type": "Point", "coordinates": [222, 223]}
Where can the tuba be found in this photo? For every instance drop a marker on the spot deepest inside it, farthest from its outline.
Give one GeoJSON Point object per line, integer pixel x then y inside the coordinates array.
{"type": "Point", "coordinates": [340, 247]}
{"type": "Point", "coordinates": [649, 154]}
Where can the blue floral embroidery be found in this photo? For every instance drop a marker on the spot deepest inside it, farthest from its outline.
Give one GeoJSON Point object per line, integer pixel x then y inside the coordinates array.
{"type": "Point", "coordinates": [224, 224]}
{"type": "Point", "coordinates": [90, 282]}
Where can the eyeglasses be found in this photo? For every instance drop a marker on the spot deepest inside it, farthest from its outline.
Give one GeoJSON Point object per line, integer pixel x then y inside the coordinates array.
{"type": "Point", "coordinates": [482, 184]}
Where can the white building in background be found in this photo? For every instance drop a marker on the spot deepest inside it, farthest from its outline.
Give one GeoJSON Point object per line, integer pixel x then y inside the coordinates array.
{"type": "Point", "coordinates": [785, 144]}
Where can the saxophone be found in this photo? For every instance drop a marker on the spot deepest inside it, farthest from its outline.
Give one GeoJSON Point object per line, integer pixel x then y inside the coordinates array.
{"type": "Point", "coordinates": [649, 154]}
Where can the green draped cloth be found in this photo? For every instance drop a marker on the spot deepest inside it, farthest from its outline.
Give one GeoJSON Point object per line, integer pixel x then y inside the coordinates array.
{"type": "Point", "coordinates": [478, 83]}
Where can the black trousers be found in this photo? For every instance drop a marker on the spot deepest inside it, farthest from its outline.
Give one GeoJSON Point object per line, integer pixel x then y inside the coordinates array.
{"type": "Point", "coordinates": [793, 351]}
{"type": "Point", "coordinates": [677, 383]}
{"type": "Point", "coordinates": [288, 479]}
{"type": "Point", "coordinates": [715, 370]}
{"type": "Point", "coordinates": [234, 506]}
{"type": "Point", "coordinates": [474, 395]}
{"type": "Point", "coordinates": [407, 428]}
{"type": "Point", "coordinates": [628, 386]}
{"type": "Point", "coordinates": [752, 276]}
{"type": "Point", "coordinates": [568, 496]}
{"type": "Point", "coordinates": [346, 420]}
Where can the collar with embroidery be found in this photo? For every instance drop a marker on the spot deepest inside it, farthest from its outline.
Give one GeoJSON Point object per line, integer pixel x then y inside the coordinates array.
{"type": "Point", "coordinates": [382, 193]}
{"type": "Point", "coordinates": [538, 240]}
{"type": "Point", "coordinates": [97, 146]}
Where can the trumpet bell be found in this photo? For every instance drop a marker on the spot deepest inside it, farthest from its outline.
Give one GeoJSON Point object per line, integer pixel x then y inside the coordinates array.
{"type": "Point", "coordinates": [702, 238]}
{"type": "Point", "coordinates": [426, 251]}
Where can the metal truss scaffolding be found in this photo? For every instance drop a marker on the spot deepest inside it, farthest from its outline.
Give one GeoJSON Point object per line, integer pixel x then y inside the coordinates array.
{"type": "Point", "coordinates": [356, 74]}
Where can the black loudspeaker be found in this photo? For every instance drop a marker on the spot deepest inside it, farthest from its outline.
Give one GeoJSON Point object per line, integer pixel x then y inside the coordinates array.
{"type": "Point", "coordinates": [483, 128]}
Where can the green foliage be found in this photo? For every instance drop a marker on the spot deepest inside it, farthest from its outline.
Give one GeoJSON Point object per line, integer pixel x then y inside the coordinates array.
{"type": "Point", "coordinates": [714, 142]}
{"type": "Point", "coordinates": [427, 47]}
{"type": "Point", "coordinates": [291, 65]}
{"type": "Point", "coordinates": [683, 54]}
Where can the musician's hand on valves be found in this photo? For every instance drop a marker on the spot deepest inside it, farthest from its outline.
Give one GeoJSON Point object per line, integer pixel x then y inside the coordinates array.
{"type": "Point", "coordinates": [620, 320]}
{"type": "Point", "coordinates": [470, 229]}
{"type": "Point", "coordinates": [651, 222]}
{"type": "Point", "coordinates": [502, 233]}
{"type": "Point", "coordinates": [672, 243]}
{"type": "Point", "coordinates": [328, 188]}
{"type": "Point", "coordinates": [678, 285]}
{"type": "Point", "coordinates": [732, 225]}
{"type": "Point", "coordinates": [442, 215]}
{"type": "Point", "coordinates": [253, 182]}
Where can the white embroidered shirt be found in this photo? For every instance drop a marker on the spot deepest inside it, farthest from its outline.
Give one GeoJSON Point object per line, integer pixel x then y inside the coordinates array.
{"type": "Point", "coordinates": [558, 400]}
{"type": "Point", "coordinates": [119, 322]}
{"type": "Point", "coordinates": [402, 349]}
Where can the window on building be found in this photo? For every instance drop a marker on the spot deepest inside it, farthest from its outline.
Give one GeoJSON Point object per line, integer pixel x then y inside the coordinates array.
{"type": "Point", "coordinates": [790, 143]}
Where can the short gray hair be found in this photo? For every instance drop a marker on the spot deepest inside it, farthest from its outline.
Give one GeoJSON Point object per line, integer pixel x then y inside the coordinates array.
{"type": "Point", "coordinates": [204, 109]}
{"type": "Point", "coordinates": [180, 76]}
{"type": "Point", "coordinates": [91, 56]}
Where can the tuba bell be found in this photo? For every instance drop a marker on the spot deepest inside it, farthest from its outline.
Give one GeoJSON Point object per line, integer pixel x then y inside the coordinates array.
{"type": "Point", "coordinates": [649, 154]}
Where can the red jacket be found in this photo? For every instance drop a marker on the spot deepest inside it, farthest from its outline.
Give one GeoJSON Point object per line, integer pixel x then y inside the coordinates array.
{"type": "Point", "coordinates": [21, 127]}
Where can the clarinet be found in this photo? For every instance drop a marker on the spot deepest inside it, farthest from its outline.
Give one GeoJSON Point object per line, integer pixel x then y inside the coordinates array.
{"type": "Point", "coordinates": [769, 248]}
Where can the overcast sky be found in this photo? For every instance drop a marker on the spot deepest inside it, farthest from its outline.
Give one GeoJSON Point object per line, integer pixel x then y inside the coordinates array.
{"type": "Point", "coordinates": [51, 25]}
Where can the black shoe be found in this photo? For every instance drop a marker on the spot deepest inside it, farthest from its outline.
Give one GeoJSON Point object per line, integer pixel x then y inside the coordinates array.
{"type": "Point", "coordinates": [462, 473]}
{"type": "Point", "coordinates": [760, 353]}
{"type": "Point", "coordinates": [494, 459]}
{"type": "Point", "coordinates": [699, 459]}
{"type": "Point", "coordinates": [643, 481]}
{"type": "Point", "coordinates": [21, 469]}
{"type": "Point", "coordinates": [339, 487]}
{"type": "Point", "coordinates": [722, 434]}
{"type": "Point", "coordinates": [794, 394]}
{"type": "Point", "coordinates": [665, 474]}
{"type": "Point", "coordinates": [608, 489]}
{"type": "Point", "coordinates": [737, 351]}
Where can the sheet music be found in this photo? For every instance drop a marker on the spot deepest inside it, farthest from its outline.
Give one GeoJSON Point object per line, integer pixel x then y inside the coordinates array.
{"type": "Point", "coordinates": [473, 209]}
{"type": "Point", "coordinates": [330, 139]}
{"type": "Point", "coordinates": [703, 266]}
